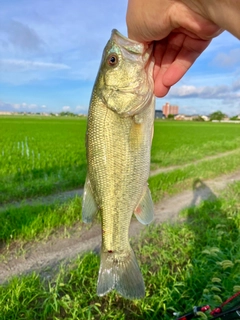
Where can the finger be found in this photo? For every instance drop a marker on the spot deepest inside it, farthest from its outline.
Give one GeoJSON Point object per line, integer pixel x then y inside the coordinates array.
{"type": "Point", "coordinates": [165, 54]}
{"type": "Point", "coordinates": [172, 47]}
{"type": "Point", "coordinates": [190, 51]}
{"type": "Point", "coordinates": [159, 50]}
{"type": "Point", "coordinates": [160, 90]}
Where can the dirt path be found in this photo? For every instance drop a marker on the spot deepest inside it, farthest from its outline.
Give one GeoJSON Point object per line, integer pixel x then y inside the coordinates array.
{"type": "Point", "coordinates": [216, 156]}
{"type": "Point", "coordinates": [47, 255]}
{"type": "Point", "coordinates": [63, 196]}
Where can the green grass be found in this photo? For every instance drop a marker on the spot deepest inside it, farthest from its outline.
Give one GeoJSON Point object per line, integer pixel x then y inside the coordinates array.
{"type": "Point", "coordinates": [176, 143]}
{"type": "Point", "coordinates": [27, 223]}
{"type": "Point", "coordinates": [181, 179]}
{"type": "Point", "coordinates": [41, 155]}
{"type": "Point", "coordinates": [185, 264]}
{"type": "Point", "coordinates": [180, 262]}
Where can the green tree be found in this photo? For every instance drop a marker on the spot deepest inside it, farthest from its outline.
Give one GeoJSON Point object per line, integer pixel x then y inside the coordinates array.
{"type": "Point", "coordinates": [171, 116]}
{"type": "Point", "coordinates": [234, 118]}
{"type": "Point", "coordinates": [67, 114]}
{"type": "Point", "coordinates": [217, 115]}
{"type": "Point", "coordinates": [199, 118]}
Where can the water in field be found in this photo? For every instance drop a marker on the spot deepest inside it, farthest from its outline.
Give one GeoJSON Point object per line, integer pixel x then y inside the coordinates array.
{"type": "Point", "coordinates": [38, 155]}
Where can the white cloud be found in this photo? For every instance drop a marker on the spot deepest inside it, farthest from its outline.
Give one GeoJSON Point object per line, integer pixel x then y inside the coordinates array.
{"type": "Point", "coordinates": [228, 59]}
{"type": "Point", "coordinates": [27, 65]}
{"type": "Point", "coordinates": [32, 106]}
{"type": "Point", "coordinates": [80, 108]}
{"type": "Point", "coordinates": [236, 85]}
{"type": "Point", "coordinates": [19, 107]}
{"type": "Point", "coordinates": [24, 106]}
{"type": "Point", "coordinates": [20, 36]}
{"type": "Point", "coordinates": [184, 91]}
{"type": "Point", "coordinates": [48, 49]}
{"type": "Point", "coordinates": [16, 106]}
{"type": "Point", "coordinates": [66, 108]}
{"type": "Point", "coordinates": [207, 92]}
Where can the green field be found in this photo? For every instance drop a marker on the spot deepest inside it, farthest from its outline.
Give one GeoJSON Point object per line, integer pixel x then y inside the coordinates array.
{"type": "Point", "coordinates": [180, 262]}
{"type": "Point", "coordinates": [183, 265]}
{"type": "Point", "coordinates": [181, 142]}
{"type": "Point", "coordinates": [40, 155]}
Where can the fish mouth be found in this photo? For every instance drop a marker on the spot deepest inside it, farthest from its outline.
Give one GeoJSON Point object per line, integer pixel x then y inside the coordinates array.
{"type": "Point", "coordinates": [145, 51]}
{"type": "Point", "coordinates": [132, 46]}
{"type": "Point", "coordinates": [138, 91]}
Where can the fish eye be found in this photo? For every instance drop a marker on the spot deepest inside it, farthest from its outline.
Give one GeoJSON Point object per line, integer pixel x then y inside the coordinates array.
{"type": "Point", "coordinates": [112, 59]}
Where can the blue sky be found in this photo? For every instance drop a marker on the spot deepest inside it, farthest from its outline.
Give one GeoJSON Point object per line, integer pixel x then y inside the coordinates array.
{"type": "Point", "coordinates": [50, 53]}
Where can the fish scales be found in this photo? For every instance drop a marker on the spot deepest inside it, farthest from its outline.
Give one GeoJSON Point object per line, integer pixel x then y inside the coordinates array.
{"type": "Point", "coordinates": [119, 137]}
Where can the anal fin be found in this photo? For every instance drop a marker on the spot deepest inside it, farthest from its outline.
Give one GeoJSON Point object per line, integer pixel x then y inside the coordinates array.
{"type": "Point", "coordinates": [144, 211]}
{"type": "Point", "coordinates": [89, 206]}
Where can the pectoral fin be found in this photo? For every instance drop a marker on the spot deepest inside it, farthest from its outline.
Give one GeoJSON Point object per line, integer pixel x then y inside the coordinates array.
{"type": "Point", "coordinates": [89, 206]}
{"type": "Point", "coordinates": [144, 211]}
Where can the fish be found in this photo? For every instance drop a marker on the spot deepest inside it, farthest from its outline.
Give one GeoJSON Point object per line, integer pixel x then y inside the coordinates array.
{"type": "Point", "coordinates": [118, 144]}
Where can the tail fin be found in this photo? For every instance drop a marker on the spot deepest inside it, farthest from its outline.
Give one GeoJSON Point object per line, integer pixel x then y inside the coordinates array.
{"type": "Point", "coordinates": [120, 271]}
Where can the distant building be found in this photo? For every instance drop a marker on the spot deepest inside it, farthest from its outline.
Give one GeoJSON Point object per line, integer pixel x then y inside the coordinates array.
{"type": "Point", "coordinates": [183, 117]}
{"type": "Point", "coordinates": [159, 114]}
{"type": "Point", "coordinates": [205, 118]}
{"type": "Point", "coordinates": [169, 109]}
{"type": "Point", "coordinates": [5, 113]}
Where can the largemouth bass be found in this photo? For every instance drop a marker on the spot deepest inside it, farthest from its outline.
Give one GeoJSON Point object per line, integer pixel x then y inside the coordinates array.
{"type": "Point", "coordinates": [118, 140]}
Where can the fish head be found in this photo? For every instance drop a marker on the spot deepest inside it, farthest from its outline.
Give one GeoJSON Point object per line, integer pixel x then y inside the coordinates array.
{"type": "Point", "coordinates": [125, 79]}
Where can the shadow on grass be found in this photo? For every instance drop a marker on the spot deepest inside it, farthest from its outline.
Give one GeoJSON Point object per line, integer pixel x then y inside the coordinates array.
{"type": "Point", "coordinates": [178, 261]}
{"type": "Point", "coordinates": [201, 191]}
{"type": "Point", "coordinates": [199, 259]}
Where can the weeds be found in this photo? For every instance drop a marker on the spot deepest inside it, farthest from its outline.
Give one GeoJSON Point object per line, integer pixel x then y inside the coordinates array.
{"type": "Point", "coordinates": [180, 179]}
{"type": "Point", "coordinates": [185, 264]}
{"type": "Point", "coordinates": [30, 222]}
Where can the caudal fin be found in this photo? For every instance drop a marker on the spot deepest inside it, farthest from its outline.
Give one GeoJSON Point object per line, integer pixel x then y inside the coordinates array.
{"type": "Point", "coordinates": [120, 271]}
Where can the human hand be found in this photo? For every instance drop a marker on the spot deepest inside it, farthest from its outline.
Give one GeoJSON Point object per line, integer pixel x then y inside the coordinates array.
{"type": "Point", "coordinates": [180, 34]}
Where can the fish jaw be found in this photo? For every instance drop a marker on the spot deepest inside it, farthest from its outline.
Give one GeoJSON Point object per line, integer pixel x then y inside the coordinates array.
{"type": "Point", "coordinates": [126, 86]}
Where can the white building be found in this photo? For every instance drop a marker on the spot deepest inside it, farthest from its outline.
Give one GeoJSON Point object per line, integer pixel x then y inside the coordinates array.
{"type": "Point", "coordinates": [5, 113]}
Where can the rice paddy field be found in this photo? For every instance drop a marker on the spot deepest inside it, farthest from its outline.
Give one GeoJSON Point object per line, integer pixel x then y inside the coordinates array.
{"type": "Point", "coordinates": [195, 261]}
{"type": "Point", "coordinates": [39, 156]}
